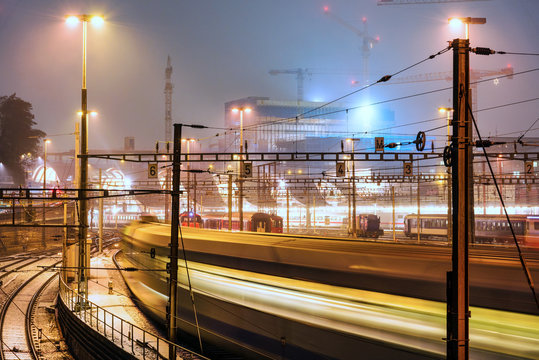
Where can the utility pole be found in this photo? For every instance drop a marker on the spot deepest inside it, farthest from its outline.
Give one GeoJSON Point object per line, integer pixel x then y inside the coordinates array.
{"type": "Point", "coordinates": [229, 197]}
{"type": "Point", "coordinates": [462, 182]}
{"type": "Point", "coordinates": [354, 216]}
{"type": "Point", "coordinates": [64, 246]}
{"type": "Point", "coordinates": [393, 200]}
{"type": "Point", "coordinates": [100, 231]}
{"type": "Point", "coordinates": [173, 267]}
{"type": "Point", "coordinates": [287, 210]}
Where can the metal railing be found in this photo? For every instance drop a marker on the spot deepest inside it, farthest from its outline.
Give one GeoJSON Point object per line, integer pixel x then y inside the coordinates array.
{"type": "Point", "coordinates": [131, 338]}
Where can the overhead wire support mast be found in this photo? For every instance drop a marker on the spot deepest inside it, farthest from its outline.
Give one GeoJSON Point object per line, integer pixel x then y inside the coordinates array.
{"type": "Point", "coordinates": [298, 156]}
{"type": "Point", "coordinates": [459, 155]}
{"type": "Point", "coordinates": [172, 306]}
{"type": "Point", "coordinates": [173, 264]}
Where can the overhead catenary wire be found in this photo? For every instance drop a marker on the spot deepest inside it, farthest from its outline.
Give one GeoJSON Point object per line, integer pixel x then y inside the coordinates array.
{"type": "Point", "coordinates": [253, 127]}
{"type": "Point", "coordinates": [519, 140]}
{"type": "Point", "coordinates": [384, 78]}
{"type": "Point", "coordinates": [520, 255]}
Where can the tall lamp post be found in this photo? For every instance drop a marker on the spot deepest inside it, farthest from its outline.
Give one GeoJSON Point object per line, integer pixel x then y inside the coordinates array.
{"type": "Point", "coordinates": [82, 278]}
{"type": "Point", "coordinates": [45, 143]}
{"type": "Point", "coordinates": [449, 114]}
{"type": "Point", "coordinates": [241, 110]}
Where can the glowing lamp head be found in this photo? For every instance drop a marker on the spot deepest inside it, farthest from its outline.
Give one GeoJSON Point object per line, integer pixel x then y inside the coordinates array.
{"type": "Point", "coordinates": [97, 21]}
{"type": "Point", "coordinates": [236, 110]}
{"type": "Point", "coordinates": [326, 8]}
{"type": "Point", "coordinates": [47, 141]}
{"type": "Point", "coordinates": [72, 20]}
{"type": "Point", "coordinates": [443, 110]}
{"type": "Point", "coordinates": [93, 113]}
{"type": "Point", "coordinates": [455, 22]}
{"type": "Point", "coordinates": [348, 140]}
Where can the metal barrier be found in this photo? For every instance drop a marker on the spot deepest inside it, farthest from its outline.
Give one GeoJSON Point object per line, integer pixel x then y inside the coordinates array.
{"type": "Point", "coordinates": [131, 338]}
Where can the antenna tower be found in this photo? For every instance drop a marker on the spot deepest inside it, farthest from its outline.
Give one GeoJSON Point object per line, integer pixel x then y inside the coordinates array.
{"type": "Point", "coordinates": [168, 101]}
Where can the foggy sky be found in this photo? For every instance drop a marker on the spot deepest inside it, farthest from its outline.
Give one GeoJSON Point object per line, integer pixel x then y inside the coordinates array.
{"type": "Point", "coordinates": [223, 50]}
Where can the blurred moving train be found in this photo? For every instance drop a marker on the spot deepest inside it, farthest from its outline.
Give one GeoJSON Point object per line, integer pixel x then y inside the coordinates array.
{"type": "Point", "coordinates": [277, 296]}
{"type": "Point", "coordinates": [258, 222]}
{"type": "Point", "coordinates": [489, 229]}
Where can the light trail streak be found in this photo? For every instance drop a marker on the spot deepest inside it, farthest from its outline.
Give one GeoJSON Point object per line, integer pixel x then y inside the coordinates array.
{"type": "Point", "coordinates": [398, 320]}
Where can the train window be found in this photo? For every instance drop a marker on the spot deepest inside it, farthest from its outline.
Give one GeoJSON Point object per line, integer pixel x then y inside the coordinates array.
{"type": "Point", "coordinates": [536, 225]}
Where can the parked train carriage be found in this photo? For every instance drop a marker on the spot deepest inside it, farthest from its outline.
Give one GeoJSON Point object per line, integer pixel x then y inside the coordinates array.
{"type": "Point", "coordinates": [262, 222]}
{"type": "Point", "coordinates": [532, 231]}
{"type": "Point", "coordinates": [257, 222]}
{"type": "Point", "coordinates": [494, 229]}
{"type": "Point", "coordinates": [191, 219]}
{"type": "Point", "coordinates": [430, 225]}
{"type": "Point", "coordinates": [368, 225]}
{"type": "Point", "coordinates": [221, 223]}
{"type": "Point", "coordinates": [489, 229]}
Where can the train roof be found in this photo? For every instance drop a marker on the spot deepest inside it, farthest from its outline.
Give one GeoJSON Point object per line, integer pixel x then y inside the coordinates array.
{"type": "Point", "coordinates": [477, 216]}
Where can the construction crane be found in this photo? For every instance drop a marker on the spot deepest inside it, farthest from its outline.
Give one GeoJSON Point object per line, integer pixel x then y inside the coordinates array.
{"type": "Point", "coordinates": [300, 77]}
{"type": "Point", "coordinates": [475, 76]}
{"type": "Point", "coordinates": [303, 73]}
{"type": "Point", "coordinates": [409, 2]}
{"type": "Point", "coordinates": [367, 41]}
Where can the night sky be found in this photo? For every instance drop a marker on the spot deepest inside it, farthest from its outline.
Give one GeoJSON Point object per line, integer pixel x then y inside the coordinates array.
{"type": "Point", "coordinates": [223, 50]}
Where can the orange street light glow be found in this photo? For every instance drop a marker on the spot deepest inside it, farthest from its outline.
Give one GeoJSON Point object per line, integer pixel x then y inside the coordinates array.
{"type": "Point", "coordinates": [72, 20]}
{"type": "Point", "coordinates": [97, 21]}
{"type": "Point", "coordinates": [443, 110]}
{"type": "Point", "coordinates": [247, 110]}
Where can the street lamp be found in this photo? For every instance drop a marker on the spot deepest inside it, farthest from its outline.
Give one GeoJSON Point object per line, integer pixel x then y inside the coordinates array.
{"type": "Point", "coordinates": [241, 110]}
{"type": "Point", "coordinates": [458, 21]}
{"type": "Point", "coordinates": [82, 279]}
{"type": "Point", "coordinates": [449, 114]}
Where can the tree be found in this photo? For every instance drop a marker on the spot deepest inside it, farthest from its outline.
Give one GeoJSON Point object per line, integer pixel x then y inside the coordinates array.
{"type": "Point", "coordinates": [17, 135]}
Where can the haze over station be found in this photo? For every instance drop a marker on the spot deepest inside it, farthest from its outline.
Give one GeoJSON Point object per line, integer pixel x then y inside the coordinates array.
{"type": "Point", "coordinates": [269, 180]}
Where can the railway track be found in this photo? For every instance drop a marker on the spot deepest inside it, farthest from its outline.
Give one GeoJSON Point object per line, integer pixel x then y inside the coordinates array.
{"type": "Point", "coordinates": [23, 280]}
{"type": "Point", "coordinates": [22, 285]}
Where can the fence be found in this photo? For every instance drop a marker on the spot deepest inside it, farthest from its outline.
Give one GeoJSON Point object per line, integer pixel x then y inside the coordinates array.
{"type": "Point", "coordinates": [131, 338]}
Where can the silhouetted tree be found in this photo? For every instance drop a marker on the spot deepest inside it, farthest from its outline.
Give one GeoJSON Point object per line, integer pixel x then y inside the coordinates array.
{"type": "Point", "coordinates": [17, 135]}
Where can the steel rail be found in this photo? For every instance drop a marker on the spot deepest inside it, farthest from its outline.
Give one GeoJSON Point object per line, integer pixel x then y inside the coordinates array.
{"type": "Point", "coordinates": [11, 298]}
{"type": "Point", "coordinates": [30, 314]}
